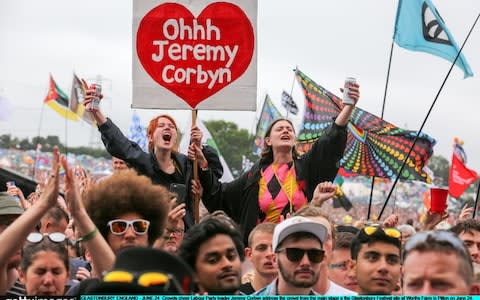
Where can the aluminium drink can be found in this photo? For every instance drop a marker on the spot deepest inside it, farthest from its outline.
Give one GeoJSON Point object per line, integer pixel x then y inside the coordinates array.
{"type": "Point", "coordinates": [346, 88]}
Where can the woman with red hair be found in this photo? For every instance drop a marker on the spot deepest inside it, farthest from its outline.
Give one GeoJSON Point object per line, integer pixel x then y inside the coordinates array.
{"type": "Point", "coordinates": [163, 163]}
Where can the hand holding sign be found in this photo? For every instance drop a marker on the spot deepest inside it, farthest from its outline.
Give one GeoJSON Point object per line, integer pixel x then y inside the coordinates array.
{"type": "Point", "coordinates": [195, 57]}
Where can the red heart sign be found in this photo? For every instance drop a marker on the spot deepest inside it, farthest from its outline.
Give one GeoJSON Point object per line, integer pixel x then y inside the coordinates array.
{"type": "Point", "coordinates": [195, 57]}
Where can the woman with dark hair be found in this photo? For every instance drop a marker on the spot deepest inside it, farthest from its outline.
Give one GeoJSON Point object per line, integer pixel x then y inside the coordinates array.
{"type": "Point", "coordinates": [44, 269]}
{"type": "Point", "coordinates": [163, 164]}
{"type": "Point", "coordinates": [282, 181]}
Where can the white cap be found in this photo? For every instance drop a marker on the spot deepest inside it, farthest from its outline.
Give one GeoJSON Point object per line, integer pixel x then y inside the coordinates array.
{"type": "Point", "coordinates": [297, 224]}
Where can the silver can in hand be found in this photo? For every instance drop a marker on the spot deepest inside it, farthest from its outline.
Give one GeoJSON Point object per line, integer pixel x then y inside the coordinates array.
{"type": "Point", "coordinates": [349, 81]}
{"type": "Point", "coordinates": [94, 105]}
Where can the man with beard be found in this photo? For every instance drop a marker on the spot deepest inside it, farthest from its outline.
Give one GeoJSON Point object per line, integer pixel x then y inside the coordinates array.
{"type": "Point", "coordinates": [376, 256]}
{"type": "Point", "coordinates": [9, 211]}
{"type": "Point", "coordinates": [325, 285]}
{"type": "Point", "coordinates": [214, 251]}
{"type": "Point", "coordinates": [298, 246]}
{"type": "Point", "coordinates": [260, 253]}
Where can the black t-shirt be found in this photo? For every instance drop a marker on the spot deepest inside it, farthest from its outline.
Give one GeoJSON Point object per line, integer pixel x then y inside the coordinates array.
{"type": "Point", "coordinates": [246, 288]}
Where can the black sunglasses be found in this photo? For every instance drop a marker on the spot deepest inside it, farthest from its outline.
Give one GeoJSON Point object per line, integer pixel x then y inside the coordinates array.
{"type": "Point", "coordinates": [296, 254]}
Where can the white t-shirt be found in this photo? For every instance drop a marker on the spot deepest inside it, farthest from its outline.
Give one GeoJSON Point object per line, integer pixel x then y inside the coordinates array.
{"type": "Point", "coordinates": [336, 290]}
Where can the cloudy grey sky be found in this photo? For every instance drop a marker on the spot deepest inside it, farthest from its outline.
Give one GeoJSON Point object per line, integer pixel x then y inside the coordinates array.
{"type": "Point", "coordinates": [328, 40]}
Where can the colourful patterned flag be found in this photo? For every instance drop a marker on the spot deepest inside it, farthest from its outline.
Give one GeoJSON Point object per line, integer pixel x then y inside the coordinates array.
{"type": "Point", "coordinates": [269, 114]}
{"type": "Point", "coordinates": [419, 27]}
{"type": "Point", "coordinates": [138, 132]}
{"type": "Point", "coordinates": [58, 101]}
{"type": "Point", "coordinates": [460, 177]}
{"type": "Point", "coordinates": [77, 95]}
{"type": "Point", "coordinates": [374, 146]}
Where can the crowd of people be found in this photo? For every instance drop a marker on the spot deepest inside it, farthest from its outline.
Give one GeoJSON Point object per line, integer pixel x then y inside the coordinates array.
{"type": "Point", "coordinates": [269, 232]}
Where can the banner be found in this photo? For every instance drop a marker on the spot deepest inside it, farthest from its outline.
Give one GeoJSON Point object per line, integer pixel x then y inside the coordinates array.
{"type": "Point", "coordinates": [194, 54]}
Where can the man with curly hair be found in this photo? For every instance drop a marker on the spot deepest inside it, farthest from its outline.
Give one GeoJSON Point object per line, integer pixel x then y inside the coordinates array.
{"type": "Point", "coordinates": [128, 209]}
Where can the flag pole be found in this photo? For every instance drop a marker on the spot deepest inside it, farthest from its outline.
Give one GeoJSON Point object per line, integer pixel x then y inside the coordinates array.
{"type": "Point", "coordinates": [476, 201]}
{"type": "Point", "coordinates": [293, 84]}
{"type": "Point", "coordinates": [381, 117]}
{"type": "Point", "coordinates": [38, 137]}
{"type": "Point", "coordinates": [426, 117]}
{"type": "Point", "coordinates": [196, 198]}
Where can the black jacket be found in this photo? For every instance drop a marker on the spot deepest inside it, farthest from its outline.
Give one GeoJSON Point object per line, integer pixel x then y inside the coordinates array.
{"type": "Point", "coordinates": [146, 163]}
{"type": "Point", "coordinates": [239, 198]}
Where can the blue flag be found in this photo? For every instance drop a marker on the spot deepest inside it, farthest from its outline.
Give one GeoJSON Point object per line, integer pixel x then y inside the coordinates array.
{"type": "Point", "coordinates": [137, 132]}
{"type": "Point", "coordinates": [419, 27]}
{"type": "Point", "coordinates": [268, 115]}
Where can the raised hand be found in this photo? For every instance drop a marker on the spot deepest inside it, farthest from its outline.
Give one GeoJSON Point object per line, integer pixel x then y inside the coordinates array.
{"type": "Point", "coordinates": [196, 136]}
{"type": "Point", "coordinates": [391, 221]}
{"type": "Point", "coordinates": [72, 189]}
{"type": "Point", "coordinates": [466, 213]}
{"type": "Point", "coordinates": [195, 153]}
{"type": "Point", "coordinates": [323, 192]}
{"type": "Point", "coordinates": [197, 188]}
{"type": "Point", "coordinates": [176, 213]}
{"type": "Point", "coordinates": [50, 191]}
{"type": "Point", "coordinates": [433, 218]}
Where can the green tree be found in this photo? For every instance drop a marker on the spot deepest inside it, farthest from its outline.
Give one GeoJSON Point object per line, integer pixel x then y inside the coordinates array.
{"type": "Point", "coordinates": [440, 168]}
{"type": "Point", "coordinates": [232, 142]}
{"type": "Point", "coordinates": [6, 141]}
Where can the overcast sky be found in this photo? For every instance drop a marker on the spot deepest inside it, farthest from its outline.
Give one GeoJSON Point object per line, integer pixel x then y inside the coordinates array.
{"type": "Point", "coordinates": [327, 40]}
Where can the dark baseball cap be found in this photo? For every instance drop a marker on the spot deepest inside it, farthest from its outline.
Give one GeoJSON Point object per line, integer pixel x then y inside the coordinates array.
{"type": "Point", "coordinates": [8, 205]}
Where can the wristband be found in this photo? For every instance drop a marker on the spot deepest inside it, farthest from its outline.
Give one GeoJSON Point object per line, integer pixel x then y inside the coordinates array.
{"type": "Point", "coordinates": [88, 236]}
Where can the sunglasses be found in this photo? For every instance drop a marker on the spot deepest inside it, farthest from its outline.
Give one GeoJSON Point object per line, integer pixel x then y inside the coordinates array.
{"type": "Point", "coordinates": [341, 265]}
{"type": "Point", "coordinates": [296, 254]}
{"type": "Point", "coordinates": [119, 227]}
{"type": "Point", "coordinates": [148, 279]}
{"type": "Point", "coordinates": [440, 237]}
{"type": "Point", "coordinates": [391, 232]}
{"type": "Point", "coordinates": [36, 237]}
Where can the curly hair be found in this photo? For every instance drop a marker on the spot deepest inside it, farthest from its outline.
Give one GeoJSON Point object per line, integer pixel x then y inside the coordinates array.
{"type": "Point", "coordinates": [267, 151]}
{"type": "Point", "coordinates": [153, 125]}
{"type": "Point", "coordinates": [128, 192]}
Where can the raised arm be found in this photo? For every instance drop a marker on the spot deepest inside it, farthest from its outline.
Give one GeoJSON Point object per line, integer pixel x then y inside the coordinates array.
{"type": "Point", "coordinates": [11, 239]}
{"type": "Point", "coordinates": [89, 97]}
{"type": "Point", "coordinates": [344, 115]}
{"type": "Point", "coordinates": [102, 255]}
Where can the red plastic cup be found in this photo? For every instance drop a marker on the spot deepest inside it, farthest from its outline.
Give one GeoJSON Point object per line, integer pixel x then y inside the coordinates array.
{"type": "Point", "coordinates": [438, 200]}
